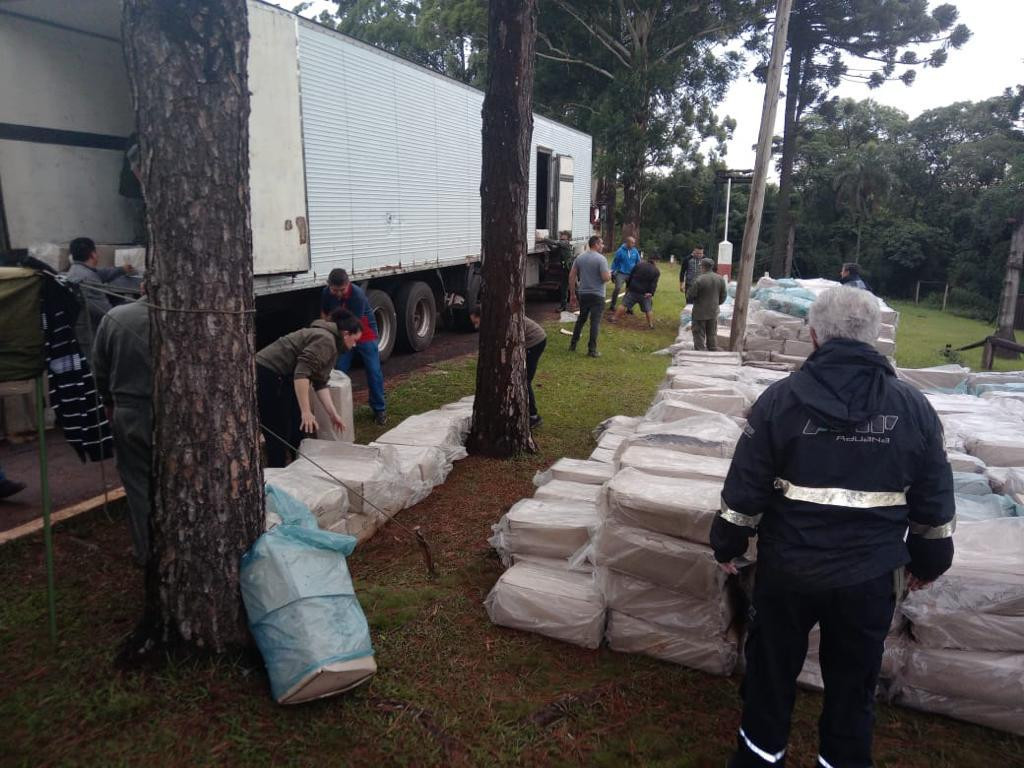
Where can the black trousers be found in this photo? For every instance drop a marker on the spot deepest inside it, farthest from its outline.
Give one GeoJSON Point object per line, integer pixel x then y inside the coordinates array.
{"type": "Point", "coordinates": [591, 306]}
{"type": "Point", "coordinates": [854, 622]}
{"type": "Point", "coordinates": [279, 411]}
{"type": "Point", "coordinates": [532, 358]}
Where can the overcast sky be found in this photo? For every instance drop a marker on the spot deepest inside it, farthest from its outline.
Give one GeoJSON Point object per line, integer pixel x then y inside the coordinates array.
{"type": "Point", "coordinates": [989, 62]}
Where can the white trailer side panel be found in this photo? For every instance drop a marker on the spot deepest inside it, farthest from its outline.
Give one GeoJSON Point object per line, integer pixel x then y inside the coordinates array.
{"type": "Point", "coordinates": [277, 181]}
{"type": "Point", "coordinates": [562, 140]}
{"type": "Point", "coordinates": [52, 78]}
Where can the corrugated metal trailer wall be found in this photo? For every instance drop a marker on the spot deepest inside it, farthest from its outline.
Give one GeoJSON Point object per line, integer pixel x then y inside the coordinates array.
{"type": "Point", "coordinates": [393, 157]}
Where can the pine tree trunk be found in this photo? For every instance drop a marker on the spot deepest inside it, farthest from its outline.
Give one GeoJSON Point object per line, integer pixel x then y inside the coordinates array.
{"type": "Point", "coordinates": [790, 129]}
{"type": "Point", "coordinates": [1011, 289]}
{"type": "Point", "coordinates": [607, 195]}
{"type": "Point", "coordinates": [501, 411]}
{"type": "Point", "coordinates": [187, 65]}
{"type": "Point", "coordinates": [630, 209]}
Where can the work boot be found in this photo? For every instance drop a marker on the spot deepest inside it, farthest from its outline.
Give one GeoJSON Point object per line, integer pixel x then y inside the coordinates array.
{"type": "Point", "coordinates": [536, 421]}
{"type": "Point", "coordinates": [10, 487]}
{"type": "Point", "coordinates": [572, 346]}
{"type": "Point", "coordinates": [380, 418]}
{"type": "Point", "coordinates": [593, 353]}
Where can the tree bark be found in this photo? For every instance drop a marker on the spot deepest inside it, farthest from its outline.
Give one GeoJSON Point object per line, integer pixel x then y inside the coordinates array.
{"type": "Point", "coordinates": [501, 411]}
{"type": "Point", "coordinates": [790, 127]}
{"type": "Point", "coordinates": [1011, 287]}
{"type": "Point", "coordinates": [187, 66]}
{"type": "Point", "coordinates": [606, 196]}
{"type": "Point", "coordinates": [630, 210]}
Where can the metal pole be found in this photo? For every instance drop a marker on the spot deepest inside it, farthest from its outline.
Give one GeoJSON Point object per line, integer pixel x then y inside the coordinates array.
{"type": "Point", "coordinates": [728, 194]}
{"type": "Point", "coordinates": [917, 292]}
{"type": "Point", "coordinates": [755, 208]}
{"type": "Point", "coordinates": [945, 295]}
{"type": "Point", "coordinates": [44, 485]}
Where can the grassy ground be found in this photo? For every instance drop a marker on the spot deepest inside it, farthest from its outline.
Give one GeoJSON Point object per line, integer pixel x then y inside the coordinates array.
{"type": "Point", "coordinates": [924, 333]}
{"type": "Point", "coordinates": [452, 689]}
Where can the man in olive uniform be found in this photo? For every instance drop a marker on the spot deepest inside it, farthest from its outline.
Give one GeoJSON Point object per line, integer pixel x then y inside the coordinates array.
{"type": "Point", "coordinates": [122, 367]}
{"type": "Point", "coordinates": [706, 293]}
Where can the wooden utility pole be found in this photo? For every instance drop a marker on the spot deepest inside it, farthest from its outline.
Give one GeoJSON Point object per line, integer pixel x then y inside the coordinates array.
{"type": "Point", "coordinates": [501, 412]}
{"type": "Point", "coordinates": [752, 228]}
{"type": "Point", "coordinates": [1011, 287]}
{"type": "Point", "coordinates": [187, 64]}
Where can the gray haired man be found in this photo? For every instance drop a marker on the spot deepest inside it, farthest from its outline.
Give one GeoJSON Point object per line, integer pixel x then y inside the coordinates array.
{"type": "Point", "coordinates": [841, 473]}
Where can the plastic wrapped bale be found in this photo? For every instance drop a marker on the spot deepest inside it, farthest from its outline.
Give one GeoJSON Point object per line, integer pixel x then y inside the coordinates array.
{"type": "Point", "coordinates": [893, 657]}
{"type": "Point", "coordinates": [671, 409]}
{"type": "Point", "coordinates": [575, 470]}
{"type": "Point", "coordinates": [885, 347]}
{"type": "Point", "coordinates": [617, 425]}
{"type": "Point", "coordinates": [988, 507]}
{"type": "Point", "coordinates": [971, 483]}
{"type": "Point", "coordinates": [558, 564]}
{"type": "Point", "coordinates": [339, 387]}
{"type": "Point", "coordinates": [976, 381]}
{"type": "Point", "coordinates": [726, 400]}
{"type": "Point", "coordinates": [558, 603]}
{"type": "Point", "coordinates": [326, 498]}
{"type": "Point", "coordinates": [680, 565]}
{"type": "Point", "coordinates": [793, 362]}
{"type": "Point", "coordinates": [552, 528]}
{"type": "Point", "coordinates": [704, 371]}
{"type": "Point", "coordinates": [683, 508]}
{"type": "Point", "coordinates": [607, 447]}
{"type": "Point", "coordinates": [569, 491]}
{"type": "Point", "coordinates": [666, 462]}
{"type": "Point", "coordinates": [761, 344]}
{"type": "Point", "coordinates": [303, 610]}
{"type": "Point", "coordinates": [446, 430]}
{"type": "Point", "coordinates": [427, 463]}
{"type": "Point", "coordinates": [673, 611]}
{"type": "Point", "coordinates": [964, 462]}
{"type": "Point", "coordinates": [686, 356]}
{"type": "Point", "coordinates": [797, 348]}
{"type": "Point", "coordinates": [997, 451]}
{"type": "Point", "coordinates": [939, 378]}
{"type": "Point", "coordinates": [977, 686]}
{"type": "Point", "coordinates": [710, 434]}
{"type": "Point", "coordinates": [373, 475]}
{"type": "Point", "coordinates": [627, 634]}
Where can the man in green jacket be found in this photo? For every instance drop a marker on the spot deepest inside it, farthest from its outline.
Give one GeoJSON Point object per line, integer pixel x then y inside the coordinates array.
{"type": "Point", "coordinates": [706, 294]}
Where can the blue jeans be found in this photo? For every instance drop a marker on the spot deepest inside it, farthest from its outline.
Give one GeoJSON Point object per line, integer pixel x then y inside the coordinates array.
{"type": "Point", "coordinates": [370, 355]}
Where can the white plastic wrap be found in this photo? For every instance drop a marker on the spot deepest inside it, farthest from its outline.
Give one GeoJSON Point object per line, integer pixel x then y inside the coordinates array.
{"type": "Point", "coordinates": [894, 657]}
{"type": "Point", "coordinates": [444, 429]}
{"type": "Point", "coordinates": [667, 462]}
{"type": "Point", "coordinates": [982, 676]}
{"type": "Point", "coordinates": [708, 357]}
{"type": "Point", "coordinates": [964, 462]}
{"type": "Point", "coordinates": [607, 446]}
{"type": "Point", "coordinates": [939, 378]}
{"type": "Point", "coordinates": [729, 401]}
{"type": "Point", "coordinates": [569, 491]}
{"type": "Point", "coordinates": [988, 507]}
{"type": "Point", "coordinates": [552, 528]}
{"type": "Point", "coordinates": [998, 451]}
{"type": "Point", "coordinates": [679, 565]}
{"type": "Point", "coordinates": [683, 508]}
{"type": "Point", "coordinates": [705, 371]}
{"type": "Point", "coordinates": [326, 499]}
{"type": "Point", "coordinates": [339, 387]}
{"type": "Point", "coordinates": [707, 435]}
{"type": "Point", "coordinates": [994, 546]}
{"type": "Point", "coordinates": [797, 348]}
{"type": "Point", "coordinates": [675, 611]}
{"type": "Point", "coordinates": [558, 603]}
{"type": "Point", "coordinates": [429, 464]}
{"type": "Point", "coordinates": [558, 564]}
{"type": "Point", "coordinates": [1009, 719]}
{"type": "Point", "coordinates": [575, 470]}
{"type": "Point", "coordinates": [714, 655]}
{"type": "Point", "coordinates": [971, 483]}
{"type": "Point", "coordinates": [617, 425]}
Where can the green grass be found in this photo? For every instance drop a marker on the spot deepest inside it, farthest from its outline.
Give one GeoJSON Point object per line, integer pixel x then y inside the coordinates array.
{"type": "Point", "coordinates": [451, 689]}
{"type": "Point", "coordinates": [924, 333]}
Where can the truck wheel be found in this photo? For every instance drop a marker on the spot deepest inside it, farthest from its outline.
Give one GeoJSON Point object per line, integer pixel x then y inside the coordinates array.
{"type": "Point", "coordinates": [387, 323]}
{"type": "Point", "coordinates": [417, 313]}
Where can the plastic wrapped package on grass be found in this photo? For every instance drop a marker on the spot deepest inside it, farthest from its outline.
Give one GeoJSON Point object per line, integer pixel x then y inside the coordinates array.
{"type": "Point", "coordinates": [711, 434]}
{"type": "Point", "coordinates": [551, 528]}
{"type": "Point", "coordinates": [326, 498]}
{"type": "Point", "coordinates": [893, 657]}
{"type": "Point", "coordinates": [683, 566]}
{"type": "Point", "coordinates": [990, 506]}
{"type": "Point", "coordinates": [569, 491]}
{"type": "Point", "coordinates": [373, 474]}
{"type": "Point", "coordinates": [607, 446]}
{"type": "Point", "coordinates": [556, 563]}
{"type": "Point", "coordinates": [723, 358]}
{"type": "Point", "coordinates": [703, 370]}
{"type": "Point", "coordinates": [444, 429]}
{"type": "Point", "coordinates": [429, 464]}
{"type": "Point", "coordinates": [557, 603]}
{"type": "Point", "coordinates": [998, 450]}
{"type": "Point", "coordinates": [669, 463]}
{"type": "Point", "coordinates": [981, 380]}
{"type": "Point", "coordinates": [627, 634]}
{"type": "Point", "coordinates": [978, 686]}
{"type": "Point", "coordinates": [729, 401]}
{"type": "Point", "coordinates": [971, 483]}
{"type": "Point", "coordinates": [617, 425]}
{"type": "Point", "coordinates": [964, 462]}
{"type": "Point", "coordinates": [575, 470]}
{"type": "Point", "coordinates": [683, 508]}
{"type": "Point", "coordinates": [339, 387]}
{"type": "Point", "coordinates": [1012, 403]}
{"type": "Point", "coordinates": [302, 607]}
{"type": "Point", "coordinates": [950, 379]}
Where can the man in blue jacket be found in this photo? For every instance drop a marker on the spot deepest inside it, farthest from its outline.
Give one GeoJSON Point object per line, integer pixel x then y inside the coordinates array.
{"type": "Point", "coordinates": [842, 475]}
{"type": "Point", "coordinates": [626, 259]}
{"type": "Point", "coordinates": [341, 292]}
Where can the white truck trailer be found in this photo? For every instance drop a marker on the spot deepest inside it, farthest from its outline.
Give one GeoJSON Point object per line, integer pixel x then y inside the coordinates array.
{"type": "Point", "coordinates": [358, 159]}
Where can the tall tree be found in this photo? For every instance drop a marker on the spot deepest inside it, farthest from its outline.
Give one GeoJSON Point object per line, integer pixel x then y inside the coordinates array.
{"type": "Point", "coordinates": [861, 183]}
{"type": "Point", "coordinates": [877, 34]}
{"type": "Point", "coordinates": [660, 78]}
{"type": "Point", "coordinates": [500, 410]}
{"type": "Point", "coordinates": [187, 65]}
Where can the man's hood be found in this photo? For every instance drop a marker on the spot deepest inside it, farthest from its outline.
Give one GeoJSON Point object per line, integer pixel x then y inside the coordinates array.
{"type": "Point", "coordinates": [327, 325]}
{"type": "Point", "coordinates": [843, 382]}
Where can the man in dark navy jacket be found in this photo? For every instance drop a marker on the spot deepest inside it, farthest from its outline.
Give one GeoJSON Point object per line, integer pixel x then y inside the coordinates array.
{"type": "Point", "coordinates": [842, 475]}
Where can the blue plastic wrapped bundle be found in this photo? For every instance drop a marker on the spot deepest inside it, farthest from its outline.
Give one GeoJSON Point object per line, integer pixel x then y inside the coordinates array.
{"type": "Point", "coordinates": [971, 484]}
{"type": "Point", "coordinates": [989, 507]}
{"type": "Point", "coordinates": [302, 607]}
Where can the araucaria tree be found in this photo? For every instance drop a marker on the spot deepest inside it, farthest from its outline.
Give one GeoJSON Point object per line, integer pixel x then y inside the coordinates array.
{"type": "Point", "coordinates": [863, 40]}
{"type": "Point", "coordinates": [186, 63]}
{"type": "Point", "coordinates": [500, 409]}
{"type": "Point", "coordinates": [658, 79]}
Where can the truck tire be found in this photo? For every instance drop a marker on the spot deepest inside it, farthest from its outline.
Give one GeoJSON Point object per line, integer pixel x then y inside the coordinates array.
{"type": "Point", "coordinates": [387, 322]}
{"type": "Point", "coordinates": [417, 316]}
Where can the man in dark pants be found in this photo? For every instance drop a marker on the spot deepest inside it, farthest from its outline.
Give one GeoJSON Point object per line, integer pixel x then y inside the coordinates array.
{"type": "Point", "coordinates": [706, 293]}
{"type": "Point", "coordinates": [535, 339]}
{"type": "Point", "coordinates": [591, 271]}
{"type": "Point", "coordinates": [842, 475]}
